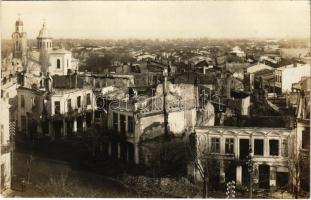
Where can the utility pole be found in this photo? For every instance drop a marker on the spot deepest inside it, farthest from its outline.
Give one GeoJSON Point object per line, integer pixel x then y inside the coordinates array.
{"type": "Point", "coordinates": [165, 74]}
{"type": "Point", "coordinates": [249, 163]}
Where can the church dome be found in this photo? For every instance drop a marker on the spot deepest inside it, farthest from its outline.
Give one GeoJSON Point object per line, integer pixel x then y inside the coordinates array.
{"type": "Point", "coordinates": [43, 32]}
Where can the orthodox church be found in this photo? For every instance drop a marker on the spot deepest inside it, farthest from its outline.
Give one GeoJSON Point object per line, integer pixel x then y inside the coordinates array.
{"type": "Point", "coordinates": [41, 61]}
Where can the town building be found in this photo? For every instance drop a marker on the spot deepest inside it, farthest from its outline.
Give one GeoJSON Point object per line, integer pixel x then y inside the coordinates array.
{"type": "Point", "coordinates": [238, 52]}
{"type": "Point", "coordinates": [230, 147]}
{"type": "Point", "coordinates": [132, 119]}
{"type": "Point", "coordinates": [290, 74]}
{"type": "Point", "coordinates": [302, 135]}
{"type": "Point", "coordinates": [63, 108]}
{"type": "Point", "coordinates": [6, 144]}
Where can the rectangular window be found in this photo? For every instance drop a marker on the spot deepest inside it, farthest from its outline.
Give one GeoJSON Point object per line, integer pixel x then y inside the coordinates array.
{"type": "Point", "coordinates": [229, 146]}
{"type": "Point", "coordinates": [22, 101]}
{"type": "Point", "coordinates": [88, 99]}
{"type": "Point", "coordinates": [69, 108]}
{"type": "Point", "coordinates": [57, 107]}
{"type": "Point", "coordinates": [115, 121]}
{"type": "Point", "coordinates": [130, 124]}
{"type": "Point", "coordinates": [258, 147]}
{"type": "Point", "coordinates": [79, 101]}
{"type": "Point", "coordinates": [215, 145]}
{"type": "Point", "coordinates": [274, 147]}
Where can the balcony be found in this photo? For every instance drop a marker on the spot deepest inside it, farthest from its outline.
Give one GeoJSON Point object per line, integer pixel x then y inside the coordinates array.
{"type": "Point", "coordinates": [7, 148]}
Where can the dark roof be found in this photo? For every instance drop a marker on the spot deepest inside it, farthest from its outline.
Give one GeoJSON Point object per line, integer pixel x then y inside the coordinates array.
{"type": "Point", "coordinates": [190, 77]}
{"type": "Point", "coordinates": [67, 81]}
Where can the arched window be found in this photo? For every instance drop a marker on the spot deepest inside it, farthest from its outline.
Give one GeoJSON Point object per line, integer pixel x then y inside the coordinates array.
{"type": "Point", "coordinates": [16, 45]}
{"type": "Point", "coordinates": [58, 63]}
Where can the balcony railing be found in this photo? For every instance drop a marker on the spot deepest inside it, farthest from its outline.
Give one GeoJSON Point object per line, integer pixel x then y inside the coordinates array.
{"type": "Point", "coordinates": [6, 148]}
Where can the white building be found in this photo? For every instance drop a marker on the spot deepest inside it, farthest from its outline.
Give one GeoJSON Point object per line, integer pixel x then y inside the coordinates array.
{"type": "Point", "coordinates": [292, 74]}
{"type": "Point", "coordinates": [59, 61]}
{"type": "Point", "coordinates": [230, 147]}
{"type": "Point", "coordinates": [238, 52]}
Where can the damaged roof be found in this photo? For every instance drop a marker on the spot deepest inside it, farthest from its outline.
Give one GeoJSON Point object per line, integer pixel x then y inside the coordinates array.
{"type": "Point", "coordinates": [67, 81]}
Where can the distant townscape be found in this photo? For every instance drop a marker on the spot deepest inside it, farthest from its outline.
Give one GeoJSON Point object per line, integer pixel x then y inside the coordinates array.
{"type": "Point", "coordinates": [190, 118]}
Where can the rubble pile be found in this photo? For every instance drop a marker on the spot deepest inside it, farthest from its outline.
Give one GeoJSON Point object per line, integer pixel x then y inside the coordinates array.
{"type": "Point", "coordinates": [165, 187]}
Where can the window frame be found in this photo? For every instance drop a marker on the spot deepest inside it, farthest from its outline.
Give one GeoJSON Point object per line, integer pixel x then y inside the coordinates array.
{"type": "Point", "coordinates": [78, 101]}
{"type": "Point", "coordinates": [232, 143]}
{"type": "Point", "coordinates": [58, 63]}
{"type": "Point", "coordinates": [215, 145]}
{"type": "Point", "coordinates": [278, 150]}
{"type": "Point", "coordinates": [263, 147]}
{"type": "Point", "coordinates": [88, 99]}
{"type": "Point", "coordinates": [56, 107]}
{"type": "Point", "coordinates": [69, 105]}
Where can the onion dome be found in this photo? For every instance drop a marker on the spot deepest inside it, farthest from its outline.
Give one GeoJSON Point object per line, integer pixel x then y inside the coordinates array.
{"type": "Point", "coordinates": [43, 32]}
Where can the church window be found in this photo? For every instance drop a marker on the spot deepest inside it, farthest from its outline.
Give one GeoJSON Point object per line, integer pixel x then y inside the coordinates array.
{"type": "Point", "coordinates": [58, 63]}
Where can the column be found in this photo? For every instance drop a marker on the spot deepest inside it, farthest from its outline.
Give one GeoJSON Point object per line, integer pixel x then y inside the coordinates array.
{"type": "Point", "coordinates": [136, 154]}
{"type": "Point", "coordinates": [39, 128]}
{"type": "Point", "coordinates": [119, 151]}
{"type": "Point", "coordinates": [75, 125]}
{"type": "Point", "coordinates": [127, 153]}
{"type": "Point", "coordinates": [51, 134]}
{"type": "Point", "coordinates": [272, 177]}
{"type": "Point", "coordinates": [64, 127]}
{"type": "Point", "coordinates": [256, 174]}
{"type": "Point", "coordinates": [239, 175]}
{"type": "Point", "coordinates": [222, 171]}
{"type": "Point", "coordinates": [109, 149]}
{"type": "Point", "coordinates": [84, 124]}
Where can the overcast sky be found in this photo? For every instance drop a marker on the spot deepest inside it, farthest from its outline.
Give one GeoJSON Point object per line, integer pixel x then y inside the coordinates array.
{"type": "Point", "coordinates": [162, 19]}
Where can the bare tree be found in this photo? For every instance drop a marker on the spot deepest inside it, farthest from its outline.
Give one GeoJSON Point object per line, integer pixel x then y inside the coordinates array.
{"type": "Point", "coordinates": [205, 162]}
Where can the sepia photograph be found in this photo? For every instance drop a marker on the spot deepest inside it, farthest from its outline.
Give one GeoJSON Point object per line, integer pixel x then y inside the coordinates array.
{"type": "Point", "coordinates": [155, 99]}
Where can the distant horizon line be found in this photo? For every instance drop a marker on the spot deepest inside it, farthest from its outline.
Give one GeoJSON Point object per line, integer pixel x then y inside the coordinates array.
{"type": "Point", "coordinates": [177, 38]}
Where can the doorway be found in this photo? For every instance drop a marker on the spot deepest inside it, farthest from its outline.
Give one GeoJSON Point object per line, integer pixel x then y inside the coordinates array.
{"type": "Point", "coordinates": [282, 179]}
{"type": "Point", "coordinates": [264, 176]}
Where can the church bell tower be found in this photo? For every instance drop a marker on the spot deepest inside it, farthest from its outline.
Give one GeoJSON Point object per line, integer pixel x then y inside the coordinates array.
{"type": "Point", "coordinates": [19, 38]}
